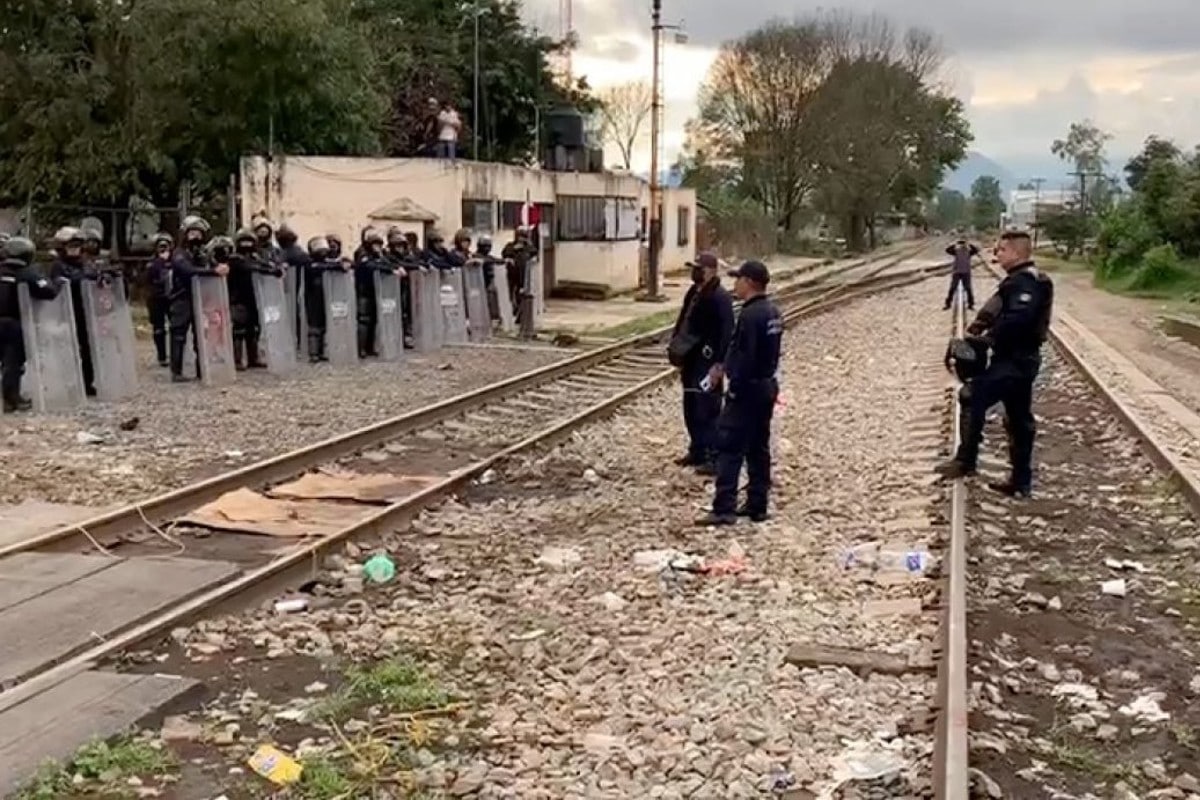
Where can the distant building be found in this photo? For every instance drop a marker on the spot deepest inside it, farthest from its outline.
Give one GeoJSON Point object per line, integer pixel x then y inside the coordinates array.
{"type": "Point", "coordinates": [1025, 205]}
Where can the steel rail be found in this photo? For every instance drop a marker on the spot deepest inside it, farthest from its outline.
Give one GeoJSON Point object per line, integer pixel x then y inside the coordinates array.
{"type": "Point", "coordinates": [304, 562]}
{"type": "Point", "coordinates": [163, 508]}
{"type": "Point", "coordinates": [951, 750]}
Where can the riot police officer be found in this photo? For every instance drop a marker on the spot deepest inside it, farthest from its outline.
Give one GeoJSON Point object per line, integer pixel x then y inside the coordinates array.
{"type": "Point", "coordinates": [294, 259]}
{"type": "Point", "coordinates": [244, 261]}
{"type": "Point", "coordinates": [189, 261]}
{"type": "Point", "coordinates": [1015, 326]}
{"type": "Point", "coordinates": [16, 268]}
{"type": "Point", "coordinates": [400, 256]}
{"type": "Point", "coordinates": [321, 258]}
{"type": "Point", "coordinates": [368, 260]}
{"type": "Point", "coordinates": [458, 256]}
{"type": "Point", "coordinates": [158, 275]}
{"type": "Point", "coordinates": [750, 377]}
{"type": "Point", "coordinates": [264, 232]}
{"type": "Point", "coordinates": [698, 347]}
{"type": "Point", "coordinates": [517, 254]}
{"type": "Point", "coordinates": [72, 266]}
{"type": "Point", "coordinates": [483, 252]}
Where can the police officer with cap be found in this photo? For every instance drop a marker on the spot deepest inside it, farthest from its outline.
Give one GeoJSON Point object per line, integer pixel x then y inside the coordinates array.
{"type": "Point", "coordinates": [698, 346]}
{"type": "Point", "coordinates": [750, 378]}
{"type": "Point", "coordinates": [1014, 323]}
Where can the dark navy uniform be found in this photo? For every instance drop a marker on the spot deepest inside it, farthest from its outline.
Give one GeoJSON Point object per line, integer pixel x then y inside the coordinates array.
{"type": "Point", "coordinates": [16, 269]}
{"type": "Point", "coordinates": [368, 260]}
{"type": "Point", "coordinates": [322, 258]}
{"type": "Point", "coordinates": [1022, 308]}
{"type": "Point", "coordinates": [705, 326]}
{"type": "Point", "coordinates": [158, 275]}
{"type": "Point", "coordinates": [73, 270]}
{"type": "Point", "coordinates": [752, 387]}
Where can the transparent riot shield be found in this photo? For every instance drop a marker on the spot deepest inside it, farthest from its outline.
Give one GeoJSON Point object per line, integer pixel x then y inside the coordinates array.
{"type": "Point", "coordinates": [425, 287]}
{"type": "Point", "coordinates": [213, 330]}
{"type": "Point", "coordinates": [341, 318]}
{"type": "Point", "coordinates": [110, 337]}
{"type": "Point", "coordinates": [453, 303]}
{"type": "Point", "coordinates": [53, 374]}
{"type": "Point", "coordinates": [389, 328]}
{"type": "Point", "coordinates": [293, 309]}
{"type": "Point", "coordinates": [278, 335]}
{"type": "Point", "coordinates": [479, 317]}
{"type": "Point", "coordinates": [500, 290]}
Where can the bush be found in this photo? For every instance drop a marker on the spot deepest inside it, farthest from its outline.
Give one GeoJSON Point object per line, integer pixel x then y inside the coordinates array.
{"type": "Point", "coordinates": [1160, 268]}
{"type": "Point", "coordinates": [1125, 237]}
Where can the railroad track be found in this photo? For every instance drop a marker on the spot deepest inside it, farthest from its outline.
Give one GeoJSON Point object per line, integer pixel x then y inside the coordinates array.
{"type": "Point", "coordinates": [449, 443]}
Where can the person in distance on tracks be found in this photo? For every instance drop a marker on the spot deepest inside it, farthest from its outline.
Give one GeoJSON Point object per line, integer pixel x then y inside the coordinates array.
{"type": "Point", "coordinates": [750, 378]}
{"type": "Point", "coordinates": [16, 268]}
{"type": "Point", "coordinates": [157, 305]}
{"type": "Point", "coordinates": [964, 254]}
{"type": "Point", "coordinates": [1015, 326]}
{"type": "Point", "coordinates": [189, 261]}
{"type": "Point", "coordinates": [698, 347]}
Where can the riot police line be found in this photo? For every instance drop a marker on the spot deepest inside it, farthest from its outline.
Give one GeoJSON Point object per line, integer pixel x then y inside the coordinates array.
{"type": "Point", "coordinates": [256, 300]}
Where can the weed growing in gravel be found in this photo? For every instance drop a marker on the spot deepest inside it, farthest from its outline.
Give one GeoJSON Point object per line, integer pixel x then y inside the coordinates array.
{"type": "Point", "coordinates": [324, 780]}
{"type": "Point", "coordinates": [1185, 736]}
{"type": "Point", "coordinates": [103, 769]}
{"type": "Point", "coordinates": [396, 686]}
{"type": "Point", "coordinates": [1097, 765]}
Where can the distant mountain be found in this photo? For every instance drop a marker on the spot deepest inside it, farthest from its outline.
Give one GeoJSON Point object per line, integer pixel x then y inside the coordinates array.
{"type": "Point", "coordinates": [974, 166]}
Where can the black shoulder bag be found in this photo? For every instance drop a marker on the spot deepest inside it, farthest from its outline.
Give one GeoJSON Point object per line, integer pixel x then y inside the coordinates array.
{"type": "Point", "coordinates": [682, 342]}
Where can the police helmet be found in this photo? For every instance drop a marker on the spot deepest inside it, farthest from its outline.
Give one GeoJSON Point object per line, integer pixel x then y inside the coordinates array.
{"type": "Point", "coordinates": [92, 235]}
{"type": "Point", "coordinates": [484, 241]}
{"type": "Point", "coordinates": [161, 238]}
{"type": "Point", "coordinates": [193, 222]}
{"type": "Point", "coordinates": [262, 222]}
{"type": "Point", "coordinates": [395, 236]}
{"type": "Point", "coordinates": [68, 235]}
{"type": "Point", "coordinates": [19, 248]}
{"type": "Point", "coordinates": [372, 236]}
{"type": "Point", "coordinates": [970, 357]}
{"type": "Point", "coordinates": [220, 247]}
{"type": "Point", "coordinates": [318, 247]}
{"type": "Point", "coordinates": [285, 236]}
{"type": "Point", "coordinates": [435, 237]}
{"type": "Point", "coordinates": [245, 236]}
{"type": "Point", "coordinates": [462, 235]}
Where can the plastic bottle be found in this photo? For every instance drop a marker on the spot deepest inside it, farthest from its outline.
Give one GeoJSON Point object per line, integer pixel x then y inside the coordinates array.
{"type": "Point", "coordinates": [379, 569]}
{"type": "Point", "coordinates": [871, 556]}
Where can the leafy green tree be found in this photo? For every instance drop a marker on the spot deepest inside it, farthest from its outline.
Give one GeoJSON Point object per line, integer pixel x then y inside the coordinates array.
{"type": "Point", "coordinates": [1066, 227]}
{"type": "Point", "coordinates": [986, 202]}
{"type": "Point", "coordinates": [949, 209]}
{"type": "Point", "coordinates": [1154, 150]}
{"type": "Point", "coordinates": [1083, 147]}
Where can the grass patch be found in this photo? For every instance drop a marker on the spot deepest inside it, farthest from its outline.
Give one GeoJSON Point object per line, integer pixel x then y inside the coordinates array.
{"type": "Point", "coordinates": [1054, 263]}
{"type": "Point", "coordinates": [103, 769]}
{"type": "Point", "coordinates": [1095, 764]}
{"type": "Point", "coordinates": [650, 322]}
{"type": "Point", "coordinates": [395, 686]}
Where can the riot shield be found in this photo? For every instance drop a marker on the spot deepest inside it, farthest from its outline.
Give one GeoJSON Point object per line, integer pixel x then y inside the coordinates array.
{"type": "Point", "coordinates": [54, 376]}
{"type": "Point", "coordinates": [503, 299]}
{"type": "Point", "coordinates": [275, 322]}
{"type": "Point", "coordinates": [293, 308]}
{"type": "Point", "coordinates": [213, 330]}
{"type": "Point", "coordinates": [389, 327]}
{"type": "Point", "coordinates": [479, 316]}
{"type": "Point", "coordinates": [454, 307]}
{"type": "Point", "coordinates": [341, 318]}
{"type": "Point", "coordinates": [425, 287]}
{"type": "Point", "coordinates": [110, 338]}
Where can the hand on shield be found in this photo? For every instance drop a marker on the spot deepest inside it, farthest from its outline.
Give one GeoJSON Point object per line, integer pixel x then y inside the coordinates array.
{"type": "Point", "coordinates": [399, 272]}
{"type": "Point", "coordinates": [222, 270]}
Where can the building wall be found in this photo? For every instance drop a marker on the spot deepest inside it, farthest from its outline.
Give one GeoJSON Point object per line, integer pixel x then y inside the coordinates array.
{"type": "Point", "coordinates": [319, 194]}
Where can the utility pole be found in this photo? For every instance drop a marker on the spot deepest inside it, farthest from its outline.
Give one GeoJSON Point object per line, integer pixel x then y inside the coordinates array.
{"type": "Point", "coordinates": [653, 292]}
{"type": "Point", "coordinates": [475, 101]}
{"type": "Point", "coordinates": [1037, 202]}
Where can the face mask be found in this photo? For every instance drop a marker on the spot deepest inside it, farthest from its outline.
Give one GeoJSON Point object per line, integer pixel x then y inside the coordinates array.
{"type": "Point", "coordinates": [697, 274]}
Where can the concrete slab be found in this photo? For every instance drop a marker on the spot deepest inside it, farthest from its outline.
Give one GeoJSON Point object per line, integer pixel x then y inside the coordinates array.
{"type": "Point", "coordinates": [31, 517]}
{"type": "Point", "coordinates": [24, 576]}
{"type": "Point", "coordinates": [59, 721]}
{"type": "Point", "coordinates": [48, 628]}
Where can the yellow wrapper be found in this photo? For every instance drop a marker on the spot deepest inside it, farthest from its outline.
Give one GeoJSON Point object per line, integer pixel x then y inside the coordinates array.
{"type": "Point", "coordinates": [276, 766]}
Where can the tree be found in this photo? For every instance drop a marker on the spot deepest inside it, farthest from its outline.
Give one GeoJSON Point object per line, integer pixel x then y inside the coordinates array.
{"type": "Point", "coordinates": [1154, 151]}
{"type": "Point", "coordinates": [949, 210]}
{"type": "Point", "coordinates": [623, 111]}
{"type": "Point", "coordinates": [986, 202]}
{"type": "Point", "coordinates": [1083, 148]}
{"type": "Point", "coordinates": [1065, 227]}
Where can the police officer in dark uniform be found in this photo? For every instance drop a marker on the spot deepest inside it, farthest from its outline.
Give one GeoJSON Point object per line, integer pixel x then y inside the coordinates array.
{"type": "Point", "coordinates": [1015, 325]}
{"type": "Point", "coordinates": [321, 259]}
{"type": "Point", "coordinates": [189, 261]}
{"type": "Point", "coordinates": [293, 258]}
{"type": "Point", "coordinates": [71, 265]}
{"type": "Point", "coordinates": [243, 263]}
{"type": "Point", "coordinates": [16, 267]}
{"type": "Point", "coordinates": [157, 305]}
{"type": "Point", "coordinates": [698, 347]}
{"type": "Point", "coordinates": [367, 261]}
{"type": "Point", "coordinates": [750, 376]}
{"type": "Point", "coordinates": [400, 255]}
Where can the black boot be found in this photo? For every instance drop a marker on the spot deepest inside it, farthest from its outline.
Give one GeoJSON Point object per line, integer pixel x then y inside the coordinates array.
{"type": "Point", "coordinates": [239, 355]}
{"type": "Point", "coordinates": [160, 347]}
{"type": "Point", "coordinates": [16, 404]}
{"type": "Point", "coordinates": [252, 359]}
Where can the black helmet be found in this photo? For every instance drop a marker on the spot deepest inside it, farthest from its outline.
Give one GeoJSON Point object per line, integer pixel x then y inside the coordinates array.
{"type": "Point", "coordinates": [484, 244]}
{"type": "Point", "coordinates": [161, 238]}
{"type": "Point", "coordinates": [372, 236]}
{"type": "Point", "coordinates": [285, 236]}
{"type": "Point", "coordinates": [245, 238]}
{"type": "Point", "coordinates": [970, 356]}
{"type": "Point", "coordinates": [318, 247]}
{"type": "Point", "coordinates": [335, 244]}
{"type": "Point", "coordinates": [221, 247]}
{"type": "Point", "coordinates": [19, 248]}
{"type": "Point", "coordinates": [395, 236]}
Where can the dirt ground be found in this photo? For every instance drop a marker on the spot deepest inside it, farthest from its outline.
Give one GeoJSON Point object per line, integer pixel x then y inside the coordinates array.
{"type": "Point", "coordinates": [1131, 325]}
{"type": "Point", "coordinates": [1080, 693]}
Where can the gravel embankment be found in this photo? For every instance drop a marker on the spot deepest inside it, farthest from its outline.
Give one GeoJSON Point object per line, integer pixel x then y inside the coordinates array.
{"type": "Point", "coordinates": [581, 673]}
{"type": "Point", "coordinates": [1082, 693]}
{"type": "Point", "coordinates": [185, 432]}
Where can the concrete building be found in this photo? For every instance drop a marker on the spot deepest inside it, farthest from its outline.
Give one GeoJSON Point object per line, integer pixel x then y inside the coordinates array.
{"type": "Point", "coordinates": [591, 226]}
{"type": "Point", "coordinates": [1021, 212]}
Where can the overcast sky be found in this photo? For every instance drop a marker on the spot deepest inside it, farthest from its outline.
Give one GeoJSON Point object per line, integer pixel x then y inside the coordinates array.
{"type": "Point", "coordinates": [1025, 68]}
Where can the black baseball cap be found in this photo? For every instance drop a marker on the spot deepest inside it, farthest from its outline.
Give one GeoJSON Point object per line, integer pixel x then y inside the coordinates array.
{"type": "Point", "coordinates": [752, 270]}
{"type": "Point", "coordinates": [705, 260]}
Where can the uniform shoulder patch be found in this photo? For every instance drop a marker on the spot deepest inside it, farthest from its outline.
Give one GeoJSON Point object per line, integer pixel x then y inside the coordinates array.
{"type": "Point", "coordinates": [1024, 297]}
